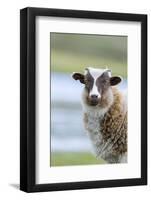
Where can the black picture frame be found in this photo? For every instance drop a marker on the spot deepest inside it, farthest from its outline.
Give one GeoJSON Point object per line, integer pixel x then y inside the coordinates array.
{"type": "Point", "coordinates": [28, 99]}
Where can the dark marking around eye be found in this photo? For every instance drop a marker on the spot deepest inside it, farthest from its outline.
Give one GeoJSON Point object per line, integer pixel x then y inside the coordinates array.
{"type": "Point", "coordinates": [102, 82]}
{"type": "Point", "coordinates": [89, 80]}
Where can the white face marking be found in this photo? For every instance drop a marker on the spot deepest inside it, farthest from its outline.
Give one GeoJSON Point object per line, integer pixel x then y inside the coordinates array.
{"type": "Point", "coordinates": [95, 73]}
{"type": "Point", "coordinates": [94, 90]}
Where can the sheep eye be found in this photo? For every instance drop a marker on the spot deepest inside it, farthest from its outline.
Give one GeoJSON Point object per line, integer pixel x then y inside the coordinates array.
{"type": "Point", "coordinates": [105, 81]}
{"type": "Point", "coordinates": [87, 81]}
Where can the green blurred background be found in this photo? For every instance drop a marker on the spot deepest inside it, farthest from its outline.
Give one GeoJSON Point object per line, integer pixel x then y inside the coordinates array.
{"type": "Point", "coordinates": [73, 52]}
{"type": "Point", "coordinates": [70, 52]}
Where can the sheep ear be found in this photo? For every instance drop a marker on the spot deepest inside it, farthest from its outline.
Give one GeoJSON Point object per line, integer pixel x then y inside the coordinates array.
{"type": "Point", "coordinates": [114, 80]}
{"type": "Point", "coordinates": [78, 76]}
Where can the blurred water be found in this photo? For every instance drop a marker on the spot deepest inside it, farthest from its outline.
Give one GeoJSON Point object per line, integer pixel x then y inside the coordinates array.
{"type": "Point", "coordinates": [67, 132]}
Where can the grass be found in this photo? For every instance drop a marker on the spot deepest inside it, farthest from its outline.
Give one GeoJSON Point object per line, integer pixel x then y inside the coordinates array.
{"type": "Point", "coordinates": [68, 62]}
{"type": "Point", "coordinates": [66, 159]}
{"type": "Point", "coordinates": [74, 52]}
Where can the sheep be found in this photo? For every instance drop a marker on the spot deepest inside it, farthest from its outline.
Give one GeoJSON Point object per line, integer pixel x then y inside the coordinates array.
{"type": "Point", "coordinates": [105, 114]}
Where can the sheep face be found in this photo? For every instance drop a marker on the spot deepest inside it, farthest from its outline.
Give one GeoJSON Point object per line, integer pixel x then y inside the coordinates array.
{"type": "Point", "coordinates": [98, 84]}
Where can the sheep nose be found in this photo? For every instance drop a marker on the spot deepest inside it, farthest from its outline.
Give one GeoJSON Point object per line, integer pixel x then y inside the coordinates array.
{"type": "Point", "coordinates": [94, 96]}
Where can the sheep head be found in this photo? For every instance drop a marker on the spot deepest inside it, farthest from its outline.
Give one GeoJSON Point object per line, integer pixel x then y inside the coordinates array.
{"type": "Point", "coordinates": [98, 84]}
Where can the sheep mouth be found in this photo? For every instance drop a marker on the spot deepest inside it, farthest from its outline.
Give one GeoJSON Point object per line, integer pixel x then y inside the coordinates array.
{"type": "Point", "coordinates": [93, 103]}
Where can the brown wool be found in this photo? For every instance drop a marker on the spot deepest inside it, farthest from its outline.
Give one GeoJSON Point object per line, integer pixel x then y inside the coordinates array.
{"type": "Point", "coordinates": [113, 126]}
